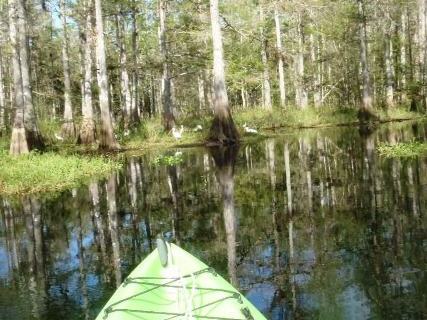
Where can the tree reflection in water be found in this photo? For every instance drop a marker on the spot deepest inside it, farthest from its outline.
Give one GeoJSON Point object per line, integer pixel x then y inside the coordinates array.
{"type": "Point", "coordinates": [310, 225]}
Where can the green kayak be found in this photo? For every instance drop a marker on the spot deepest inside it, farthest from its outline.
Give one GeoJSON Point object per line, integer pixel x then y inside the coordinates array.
{"type": "Point", "coordinates": [170, 283]}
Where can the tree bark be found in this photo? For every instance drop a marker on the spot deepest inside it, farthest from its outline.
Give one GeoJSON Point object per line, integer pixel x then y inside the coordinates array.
{"type": "Point", "coordinates": [422, 48]}
{"type": "Point", "coordinates": [166, 90]}
{"type": "Point", "coordinates": [19, 143]}
{"type": "Point", "coordinates": [366, 108]}
{"type": "Point", "coordinates": [280, 63]}
{"type": "Point", "coordinates": [403, 55]}
{"type": "Point", "coordinates": [301, 92]}
{"type": "Point", "coordinates": [266, 73]}
{"type": "Point", "coordinates": [126, 97]}
{"type": "Point", "coordinates": [87, 133]}
{"type": "Point", "coordinates": [107, 139]}
{"type": "Point", "coordinates": [388, 57]}
{"type": "Point", "coordinates": [135, 110]}
{"type": "Point", "coordinates": [223, 130]}
{"type": "Point", "coordinates": [68, 129]}
{"type": "Point", "coordinates": [2, 98]}
{"type": "Point", "coordinates": [316, 65]}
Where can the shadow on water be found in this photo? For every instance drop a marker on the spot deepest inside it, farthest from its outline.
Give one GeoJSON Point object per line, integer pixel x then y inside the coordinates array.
{"type": "Point", "coordinates": [314, 224]}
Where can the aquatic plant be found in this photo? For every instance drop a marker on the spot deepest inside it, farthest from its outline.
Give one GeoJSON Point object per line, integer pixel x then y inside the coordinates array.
{"type": "Point", "coordinates": [50, 172]}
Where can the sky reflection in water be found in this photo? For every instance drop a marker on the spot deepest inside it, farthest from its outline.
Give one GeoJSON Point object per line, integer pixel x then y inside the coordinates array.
{"type": "Point", "coordinates": [310, 225]}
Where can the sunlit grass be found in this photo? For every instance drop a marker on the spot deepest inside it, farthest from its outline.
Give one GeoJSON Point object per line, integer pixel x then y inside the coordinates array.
{"type": "Point", "coordinates": [403, 150]}
{"type": "Point", "coordinates": [50, 172]}
{"type": "Point", "coordinates": [151, 135]}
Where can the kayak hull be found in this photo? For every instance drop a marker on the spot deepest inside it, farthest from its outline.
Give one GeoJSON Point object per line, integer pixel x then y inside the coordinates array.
{"type": "Point", "coordinates": [185, 288]}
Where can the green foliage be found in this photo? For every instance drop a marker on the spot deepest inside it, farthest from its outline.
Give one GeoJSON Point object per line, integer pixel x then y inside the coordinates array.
{"type": "Point", "coordinates": [403, 150]}
{"type": "Point", "coordinates": [49, 172]}
{"type": "Point", "coordinates": [169, 160]}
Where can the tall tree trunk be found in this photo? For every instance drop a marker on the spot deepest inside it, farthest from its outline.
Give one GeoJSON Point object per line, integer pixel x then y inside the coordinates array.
{"type": "Point", "coordinates": [201, 89]}
{"type": "Point", "coordinates": [366, 108]}
{"type": "Point", "coordinates": [266, 73]}
{"type": "Point", "coordinates": [107, 139]}
{"type": "Point", "coordinates": [316, 65]}
{"type": "Point", "coordinates": [125, 93]}
{"type": "Point", "coordinates": [135, 110]}
{"type": "Point", "coordinates": [422, 48]}
{"type": "Point", "coordinates": [166, 90]}
{"type": "Point", "coordinates": [25, 133]}
{"type": "Point", "coordinates": [19, 143]}
{"type": "Point", "coordinates": [2, 98]}
{"type": "Point", "coordinates": [403, 55]}
{"type": "Point", "coordinates": [87, 133]}
{"type": "Point", "coordinates": [280, 64]}
{"type": "Point", "coordinates": [301, 92]}
{"type": "Point", "coordinates": [68, 129]}
{"type": "Point", "coordinates": [388, 57]}
{"type": "Point", "coordinates": [223, 130]}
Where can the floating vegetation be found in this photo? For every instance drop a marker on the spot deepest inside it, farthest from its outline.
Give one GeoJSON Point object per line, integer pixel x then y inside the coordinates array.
{"type": "Point", "coordinates": [169, 160]}
{"type": "Point", "coordinates": [50, 172]}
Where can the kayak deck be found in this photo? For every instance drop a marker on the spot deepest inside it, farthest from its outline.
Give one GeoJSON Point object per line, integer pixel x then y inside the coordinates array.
{"type": "Point", "coordinates": [185, 288]}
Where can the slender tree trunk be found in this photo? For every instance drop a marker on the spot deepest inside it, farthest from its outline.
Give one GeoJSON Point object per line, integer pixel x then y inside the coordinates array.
{"type": "Point", "coordinates": [135, 110]}
{"type": "Point", "coordinates": [280, 63]}
{"type": "Point", "coordinates": [223, 130]}
{"type": "Point", "coordinates": [19, 143]}
{"type": "Point", "coordinates": [166, 90]}
{"type": "Point", "coordinates": [125, 93]}
{"type": "Point", "coordinates": [266, 73]}
{"type": "Point", "coordinates": [388, 57]}
{"type": "Point", "coordinates": [201, 88]}
{"type": "Point", "coordinates": [301, 92]}
{"type": "Point", "coordinates": [403, 55]}
{"type": "Point", "coordinates": [316, 66]}
{"type": "Point", "coordinates": [68, 129]}
{"type": "Point", "coordinates": [87, 133]}
{"type": "Point", "coordinates": [2, 98]}
{"type": "Point", "coordinates": [366, 108]}
{"type": "Point", "coordinates": [422, 48]}
{"type": "Point", "coordinates": [107, 139]}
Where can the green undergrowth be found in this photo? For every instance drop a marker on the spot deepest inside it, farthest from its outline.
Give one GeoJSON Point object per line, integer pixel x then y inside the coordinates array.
{"type": "Point", "coordinates": [151, 135]}
{"type": "Point", "coordinates": [50, 172]}
{"type": "Point", "coordinates": [403, 150]}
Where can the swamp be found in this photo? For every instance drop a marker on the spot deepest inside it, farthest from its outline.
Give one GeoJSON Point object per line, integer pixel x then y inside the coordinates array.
{"type": "Point", "coordinates": [283, 143]}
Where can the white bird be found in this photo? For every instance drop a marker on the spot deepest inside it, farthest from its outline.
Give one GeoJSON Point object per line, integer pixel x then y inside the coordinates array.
{"type": "Point", "coordinates": [177, 134]}
{"type": "Point", "coordinates": [249, 130]}
{"type": "Point", "coordinates": [126, 132]}
{"type": "Point", "coordinates": [178, 154]}
{"type": "Point", "coordinates": [58, 137]}
{"type": "Point", "coordinates": [198, 128]}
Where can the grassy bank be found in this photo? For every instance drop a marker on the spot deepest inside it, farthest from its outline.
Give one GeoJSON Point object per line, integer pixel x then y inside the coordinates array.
{"type": "Point", "coordinates": [49, 172]}
{"type": "Point", "coordinates": [65, 166]}
{"type": "Point", "coordinates": [151, 135]}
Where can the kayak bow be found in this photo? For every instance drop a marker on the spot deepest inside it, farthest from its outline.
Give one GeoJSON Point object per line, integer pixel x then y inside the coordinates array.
{"type": "Point", "coordinates": [170, 283]}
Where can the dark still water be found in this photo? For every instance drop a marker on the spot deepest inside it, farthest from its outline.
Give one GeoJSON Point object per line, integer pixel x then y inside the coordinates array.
{"type": "Point", "coordinates": [310, 225]}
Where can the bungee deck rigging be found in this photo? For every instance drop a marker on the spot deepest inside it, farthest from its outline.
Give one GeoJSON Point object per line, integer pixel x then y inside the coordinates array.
{"type": "Point", "coordinates": [168, 286]}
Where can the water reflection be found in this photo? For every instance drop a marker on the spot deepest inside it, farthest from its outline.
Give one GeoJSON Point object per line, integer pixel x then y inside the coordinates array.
{"type": "Point", "coordinates": [308, 225]}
